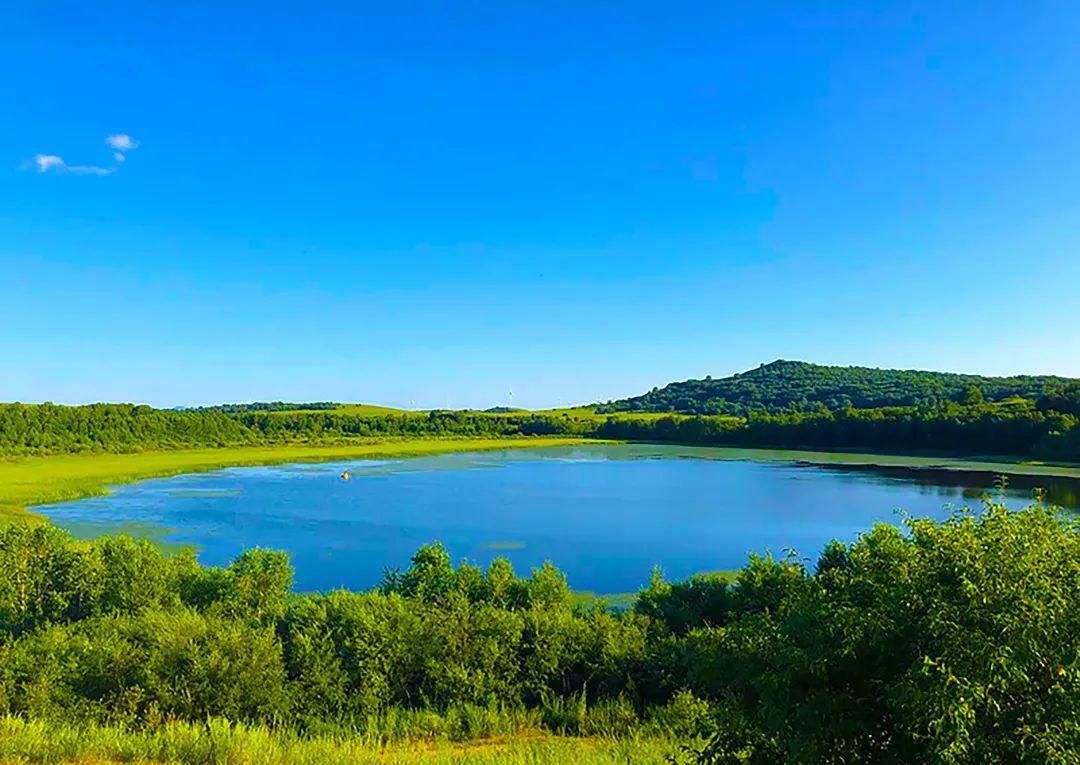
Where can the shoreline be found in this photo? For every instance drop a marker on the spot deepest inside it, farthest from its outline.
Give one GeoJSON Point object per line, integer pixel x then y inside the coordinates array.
{"type": "Point", "coordinates": [914, 460]}
{"type": "Point", "coordinates": [855, 458]}
{"type": "Point", "coordinates": [26, 482]}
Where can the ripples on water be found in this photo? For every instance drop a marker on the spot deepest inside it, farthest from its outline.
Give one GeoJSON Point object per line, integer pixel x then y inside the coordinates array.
{"type": "Point", "coordinates": [604, 514]}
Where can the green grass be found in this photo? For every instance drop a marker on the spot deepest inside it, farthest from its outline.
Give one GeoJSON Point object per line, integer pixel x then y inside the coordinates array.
{"type": "Point", "coordinates": [218, 741]}
{"type": "Point", "coordinates": [620, 601]}
{"type": "Point", "coordinates": [29, 481]}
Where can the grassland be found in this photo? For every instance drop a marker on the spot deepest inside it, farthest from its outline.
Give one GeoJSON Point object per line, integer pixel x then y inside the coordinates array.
{"type": "Point", "coordinates": [220, 742]}
{"type": "Point", "coordinates": [29, 481]}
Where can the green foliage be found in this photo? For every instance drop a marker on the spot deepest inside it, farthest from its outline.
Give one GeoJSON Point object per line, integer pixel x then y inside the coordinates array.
{"type": "Point", "coordinates": [704, 599]}
{"type": "Point", "coordinates": [1064, 398]}
{"type": "Point", "coordinates": [954, 642]}
{"type": "Point", "coordinates": [258, 585]}
{"type": "Point", "coordinates": [685, 716]}
{"type": "Point", "coordinates": [1018, 428]}
{"type": "Point", "coordinates": [957, 643]}
{"type": "Point", "coordinates": [52, 429]}
{"type": "Point", "coordinates": [431, 576]}
{"type": "Point", "coordinates": [780, 405]}
{"type": "Point", "coordinates": [48, 578]}
{"type": "Point", "coordinates": [794, 386]}
{"type": "Point", "coordinates": [41, 429]}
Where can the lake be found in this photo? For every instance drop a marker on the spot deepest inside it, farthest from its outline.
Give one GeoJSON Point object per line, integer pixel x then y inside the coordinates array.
{"type": "Point", "coordinates": [604, 514]}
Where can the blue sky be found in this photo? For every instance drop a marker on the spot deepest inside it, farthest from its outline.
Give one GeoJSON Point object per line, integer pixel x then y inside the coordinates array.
{"type": "Point", "coordinates": [433, 204]}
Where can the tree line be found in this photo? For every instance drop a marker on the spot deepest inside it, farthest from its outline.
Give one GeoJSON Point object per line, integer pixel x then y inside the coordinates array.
{"type": "Point", "coordinates": [39, 429]}
{"type": "Point", "coordinates": [1018, 430]}
{"type": "Point", "coordinates": [1022, 428]}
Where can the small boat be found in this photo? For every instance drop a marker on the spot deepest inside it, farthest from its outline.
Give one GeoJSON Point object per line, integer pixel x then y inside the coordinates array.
{"type": "Point", "coordinates": [346, 476]}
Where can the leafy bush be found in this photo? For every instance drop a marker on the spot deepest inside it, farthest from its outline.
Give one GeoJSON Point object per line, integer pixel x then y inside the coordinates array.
{"type": "Point", "coordinates": [953, 642]}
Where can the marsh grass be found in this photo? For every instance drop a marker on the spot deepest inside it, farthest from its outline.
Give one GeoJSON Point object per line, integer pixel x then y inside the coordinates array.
{"type": "Point", "coordinates": [218, 742]}
{"type": "Point", "coordinates": [29, 481]}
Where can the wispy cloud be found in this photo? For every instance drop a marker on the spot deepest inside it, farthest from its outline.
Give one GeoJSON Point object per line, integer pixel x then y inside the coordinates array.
{"type": "Point", "coordinates": [47, 162]}
{"type": "Point", "coordinates": [120, 143]}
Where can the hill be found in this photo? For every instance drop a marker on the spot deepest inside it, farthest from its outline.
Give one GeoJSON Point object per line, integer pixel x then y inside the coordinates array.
{"type": "Point", "coordinates": [786, 386]}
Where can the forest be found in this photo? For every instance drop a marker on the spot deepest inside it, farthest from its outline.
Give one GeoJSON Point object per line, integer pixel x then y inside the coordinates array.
{"type": "Point", "coordinates": [1045, 428]}
{"type": "Point", "coordinates": [42, 429]}
{"type": "Point", "coordinates": [796, 386]}
{"type": "Point", "coordinates": [951, 642]}
{"type": "Point", "coordinates": [1018, 428]}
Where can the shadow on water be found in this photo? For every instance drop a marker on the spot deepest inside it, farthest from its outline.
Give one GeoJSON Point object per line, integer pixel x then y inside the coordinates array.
{"type": "Point", "coordinates": [1060, 491]}
{"type": "Point", "coordinates": [605, 514]}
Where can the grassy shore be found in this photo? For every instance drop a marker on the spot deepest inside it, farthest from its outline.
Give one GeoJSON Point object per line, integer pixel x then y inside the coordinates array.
{"type": "Point", "coordinates": [29, 481]}
{"type": "Point", "coordinates": [219, 742]}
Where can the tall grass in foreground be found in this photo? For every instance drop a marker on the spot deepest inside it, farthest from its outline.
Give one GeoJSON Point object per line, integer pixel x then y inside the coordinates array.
{"type": "Point", "coordinates": [219, 742]}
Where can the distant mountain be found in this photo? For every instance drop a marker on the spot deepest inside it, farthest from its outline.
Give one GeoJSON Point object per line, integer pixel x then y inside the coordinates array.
{"type": "Point", "coordinates": [799, 386]}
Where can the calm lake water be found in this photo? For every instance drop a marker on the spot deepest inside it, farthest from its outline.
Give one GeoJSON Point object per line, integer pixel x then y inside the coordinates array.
{"type": "Point", "coordinates": [604, 514]}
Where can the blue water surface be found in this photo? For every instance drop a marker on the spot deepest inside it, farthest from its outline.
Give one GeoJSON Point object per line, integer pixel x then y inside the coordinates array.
{"type": "Point", "coordinates": [604, 514]}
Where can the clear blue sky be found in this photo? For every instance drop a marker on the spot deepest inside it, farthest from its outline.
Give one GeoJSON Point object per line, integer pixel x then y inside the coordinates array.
{"type": "Point", "coordinates": [436, 203]}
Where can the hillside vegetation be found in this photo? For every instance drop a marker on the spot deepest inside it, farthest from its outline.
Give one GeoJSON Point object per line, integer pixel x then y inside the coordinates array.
{"type": "Point", "coordinates": [957, 642]}
{"type": "Point", "coordinates": [794, 386]}
{"type": "Point", "coordinates": [780, 405]}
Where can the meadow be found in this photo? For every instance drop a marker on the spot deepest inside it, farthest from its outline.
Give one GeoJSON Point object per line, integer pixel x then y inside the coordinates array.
{"type": "Point", "coordinates": [218, 741]}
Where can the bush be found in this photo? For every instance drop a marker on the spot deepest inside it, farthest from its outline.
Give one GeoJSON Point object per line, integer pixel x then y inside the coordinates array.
{"type": "Point", "coordinates": [953, 642]}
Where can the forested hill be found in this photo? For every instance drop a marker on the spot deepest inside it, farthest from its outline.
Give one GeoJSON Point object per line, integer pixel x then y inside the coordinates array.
{"type": "Point", "coordinates": [787, 386]}
{"type": "Point", "coordinates": [780, 405]}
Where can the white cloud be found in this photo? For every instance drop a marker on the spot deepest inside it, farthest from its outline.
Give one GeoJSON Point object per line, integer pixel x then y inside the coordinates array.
{"type": "Point", "coordinates": [51, 163]}
{"type": "Point", "coordinates": [121, 143]}
{"type": "Point", "coordinates": [47, 162]}
{"type": "Point", "coordinates": [89, 170]}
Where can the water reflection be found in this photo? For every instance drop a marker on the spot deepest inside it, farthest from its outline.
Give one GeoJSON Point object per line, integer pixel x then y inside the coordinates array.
{"type": "Point", "coordinates": [973, 485]}
{"type": "Point", "coordinates": [605, 514]}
